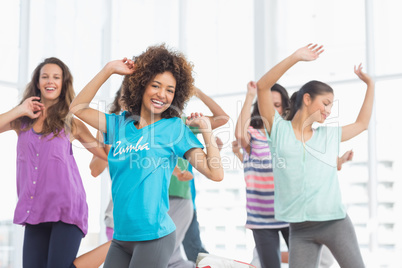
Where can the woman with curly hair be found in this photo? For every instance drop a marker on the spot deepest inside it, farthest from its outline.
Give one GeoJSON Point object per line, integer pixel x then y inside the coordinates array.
{"type": "Point", "coordinates": [51, 198]}
{"type": "Point", "coordinates": [146, 141]}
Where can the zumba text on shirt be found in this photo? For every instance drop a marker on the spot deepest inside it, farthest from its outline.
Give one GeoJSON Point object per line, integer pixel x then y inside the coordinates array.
{"type": "Point", "coordinates": [129, 148]}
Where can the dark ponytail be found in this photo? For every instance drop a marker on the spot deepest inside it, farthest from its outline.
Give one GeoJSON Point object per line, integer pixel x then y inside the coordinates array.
{"type": "Point", "coordinates": [294, 106]}
{"type": "Point", "coordinates": [313, 88]}
{"type": "Point", "coordinates": [256, 120]}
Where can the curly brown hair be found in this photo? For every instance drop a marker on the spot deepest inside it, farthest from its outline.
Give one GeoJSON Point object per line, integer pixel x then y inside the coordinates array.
{"type": "Point", "coordinates": [57, 116]}
{"type": "Point", "coordinates": [116, 107]}
{"type": "Point", "coordinates": [157, 60]}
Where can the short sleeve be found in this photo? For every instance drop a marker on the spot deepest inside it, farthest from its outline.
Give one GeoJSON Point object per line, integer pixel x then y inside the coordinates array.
{"type": "Point", "coordinates": [113, 124]}
{"type": "Point", "coordinates": [184, 139]}
{"type": "Point", "coordinates": [111, 120]}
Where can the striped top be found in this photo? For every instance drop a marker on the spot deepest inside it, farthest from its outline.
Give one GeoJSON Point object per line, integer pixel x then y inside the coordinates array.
{"type": "Point", "coordinates": [259, 178]}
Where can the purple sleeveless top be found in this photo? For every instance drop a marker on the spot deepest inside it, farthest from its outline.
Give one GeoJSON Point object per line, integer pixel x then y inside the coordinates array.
{"type": "Point", "coordinates": [49, 185]}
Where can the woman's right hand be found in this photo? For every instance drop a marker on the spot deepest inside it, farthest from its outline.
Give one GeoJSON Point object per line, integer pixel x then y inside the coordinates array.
{"type": "Point", "coordinates": [32, 108]}
{"type": "Point", "coordinates": [236, 147]}
{"type": "Point", "coordinates": [309, 53]}
{"type": "Point", "coordinates": [122, 67]}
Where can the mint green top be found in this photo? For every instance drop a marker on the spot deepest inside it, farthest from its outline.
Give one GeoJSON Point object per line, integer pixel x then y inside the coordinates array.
{"type": "Point", "coordinates": [181, 188]}
{"type": "Point", "coordinates": [305, 175]}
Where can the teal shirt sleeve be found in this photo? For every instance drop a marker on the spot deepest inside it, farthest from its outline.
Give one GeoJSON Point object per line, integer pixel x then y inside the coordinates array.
{"type": "Point", "coordinates": [114, 122]}
{"type": "Point", "coordinates": [184, 139]}
{"type": "Point", "coordinates": [111, 122]}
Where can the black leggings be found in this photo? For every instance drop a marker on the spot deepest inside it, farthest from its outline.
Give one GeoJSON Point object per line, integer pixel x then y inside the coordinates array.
{"type": "Point", "coordinates": [268, 245]}
{"type": "Point", "coordinates": [50, 245]}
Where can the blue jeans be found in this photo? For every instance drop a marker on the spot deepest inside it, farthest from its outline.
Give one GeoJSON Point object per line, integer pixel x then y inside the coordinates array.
{"type": "Point", "coordinates": [192, 241]}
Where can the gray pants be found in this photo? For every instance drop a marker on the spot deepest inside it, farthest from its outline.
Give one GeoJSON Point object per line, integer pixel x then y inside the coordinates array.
{"type": "Point", "coordinates": [267, 242]}
{"type": "Point", "coordinates": [139, 254]}
{"type": "Point", "coordinates": [307, 238]}
{"type": "Point", "coordinates": [181, 211]}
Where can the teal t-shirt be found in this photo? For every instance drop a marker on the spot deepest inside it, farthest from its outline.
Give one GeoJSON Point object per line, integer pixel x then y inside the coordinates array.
{"type": "Point", "coordinates": [141, 162]}
{"type": "Point", "coordinates": [305, 174]}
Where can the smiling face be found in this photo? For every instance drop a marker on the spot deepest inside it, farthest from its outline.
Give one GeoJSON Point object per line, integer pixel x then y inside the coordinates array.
{"type": "Point", "coordinates": [50, 82]}
{"type": "Point", "coordinates": [158, 95]}
{"type": "Point", "coordinates": [320, 107]}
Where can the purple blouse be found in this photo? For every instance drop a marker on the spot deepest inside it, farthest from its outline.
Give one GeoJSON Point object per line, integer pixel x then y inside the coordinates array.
{"type": "Point", "coordinates": [49, 185]}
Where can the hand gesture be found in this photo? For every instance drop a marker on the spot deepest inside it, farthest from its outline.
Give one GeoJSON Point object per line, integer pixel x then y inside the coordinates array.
{"type": "Point", "coordinates": [122, 67]}
{"type": "Point", "coordinates": [309, 53]}
{"type": "Point", "coordinates": [347, 156]}
{"type": "Point", "coordinates": [184, 175]}
{"type": "Point", "coordinates": [198, 120]}
{"type": "Point", "coordinates": [236, 147]}
{"type": "Point", "coordinates": [32, 107]}
{"type": "Point", "coordinates": [363, 76]}
{"type": "Point", "coordinates": [252, 88]}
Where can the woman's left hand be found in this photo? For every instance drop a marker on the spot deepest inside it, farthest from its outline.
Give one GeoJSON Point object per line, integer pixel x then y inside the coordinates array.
{"type": "Point", "coordinates": [198, 120]}
{"type": "Point", "coordinates": [184, 175]}
{"type": "Point", "coordinates": [363, 76]}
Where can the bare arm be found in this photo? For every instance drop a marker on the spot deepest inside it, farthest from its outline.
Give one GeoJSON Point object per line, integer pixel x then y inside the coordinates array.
{"type": "Point", "coordinates": [80, 105]}
{"type": "Point", "coordinates": [219, 117]}
{"type": "Point", "coordinates": [208, 164]}
{"type": "Point", "coordinates": [83, 135]}
{"type": "Point", "coordinates": [97, 164]}
{"type": "Point", "coordinates": [264, 85]}
{"type": "Point", "coordinates": [31, 107]}
{"type": "Point", "coordinates": [243, 122]}
{"type": "Point", "coordinates": [236, 150]}
{"type": "Point", "coordinates": [363, 119]}
{"type": "Point", "coordinates": [93, 258]}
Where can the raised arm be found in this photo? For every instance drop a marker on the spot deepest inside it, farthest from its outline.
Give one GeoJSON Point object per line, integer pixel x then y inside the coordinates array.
{"type": "Point", "coordinates": [219, 117]}
{"type": "Point", "coordinates": [208, 164]}
{"type": "Point", "coordinates": [31, 107]}
{"type": "Point", "coordinates": [80, 105]}
{"type": "Point", "coordinates": [363, 119]}
{"type": "Point", "coordinates": [243, 122]}
{"type": "Point", "coordinates": [264, 85]}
